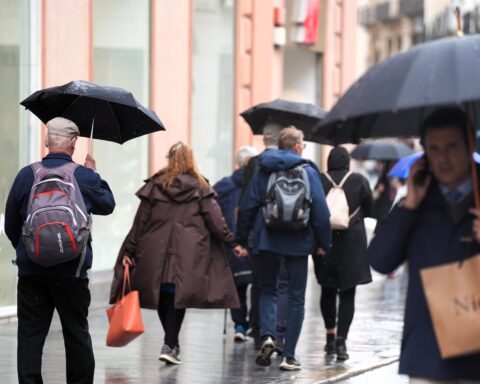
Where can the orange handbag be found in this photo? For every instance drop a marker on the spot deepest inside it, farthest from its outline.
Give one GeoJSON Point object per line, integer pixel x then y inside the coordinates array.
{"type": "Point", "coordinates": [125, 316]}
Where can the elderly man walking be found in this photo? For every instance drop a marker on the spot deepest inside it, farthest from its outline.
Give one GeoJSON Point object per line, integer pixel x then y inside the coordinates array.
{"type": "Point", "coordinates": [47, 219]}
{"type": "Point", "coordinates": [284, 231]}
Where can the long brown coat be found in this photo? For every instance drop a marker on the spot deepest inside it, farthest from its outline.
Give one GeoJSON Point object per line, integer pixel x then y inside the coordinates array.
{"type": "Point", "coordinates": [176, 238]}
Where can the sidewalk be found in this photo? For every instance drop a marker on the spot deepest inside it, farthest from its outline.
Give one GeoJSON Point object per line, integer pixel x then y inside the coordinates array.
{"type": "Point", "coordinates": [209, 357]}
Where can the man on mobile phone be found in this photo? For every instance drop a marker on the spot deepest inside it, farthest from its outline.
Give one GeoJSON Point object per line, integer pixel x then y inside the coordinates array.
{"type": "Point", "coordinates": [427, 230]}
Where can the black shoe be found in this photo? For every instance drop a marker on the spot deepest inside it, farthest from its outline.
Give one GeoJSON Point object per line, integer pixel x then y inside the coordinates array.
{"type": "Point", "coordinates": [330, 347]}
{"type": "Point", "coordinates": [263, 357]}
{"type": "Point", "coordinates": [341, 348]}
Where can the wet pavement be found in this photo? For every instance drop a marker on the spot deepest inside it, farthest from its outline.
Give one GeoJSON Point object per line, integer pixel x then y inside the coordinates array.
{"type": "Point", "coordinates": [210, 357]}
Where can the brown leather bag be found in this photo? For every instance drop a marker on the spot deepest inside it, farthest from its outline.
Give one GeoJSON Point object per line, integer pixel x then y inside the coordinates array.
{"type": "Point", "coordinates": [125, 316]}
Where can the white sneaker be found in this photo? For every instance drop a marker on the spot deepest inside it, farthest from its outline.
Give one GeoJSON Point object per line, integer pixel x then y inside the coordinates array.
{"type": "Point", "coordinates": [263, 357]}
{"type": "Point", "coordinates": [170, 355]}
{"type": "Point", "coordinates": [290, 364]}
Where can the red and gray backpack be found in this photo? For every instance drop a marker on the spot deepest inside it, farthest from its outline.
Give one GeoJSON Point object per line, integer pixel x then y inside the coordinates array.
{"type": "Point", "coordinates": [57, 227]}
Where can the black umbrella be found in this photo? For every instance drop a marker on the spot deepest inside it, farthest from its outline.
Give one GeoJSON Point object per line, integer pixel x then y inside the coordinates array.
{"type": "Point", "coordinates": [118, 116]}
{"type": "Point", "coordinates": [394, 96]}
{"type": "Point", "coordinates": [303, 115]}
{"type": "Point", "coordinates": [381, 150]}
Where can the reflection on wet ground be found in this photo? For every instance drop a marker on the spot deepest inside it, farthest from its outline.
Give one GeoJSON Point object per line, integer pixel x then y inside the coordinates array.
{"type": "Point", "coordinates": [210, 357]}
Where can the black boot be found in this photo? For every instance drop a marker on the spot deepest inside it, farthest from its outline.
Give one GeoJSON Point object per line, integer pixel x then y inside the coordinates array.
{"type": "Point", "coordinates": [341, 347]}
{"type": "Point", "coordinates": [330, 346]}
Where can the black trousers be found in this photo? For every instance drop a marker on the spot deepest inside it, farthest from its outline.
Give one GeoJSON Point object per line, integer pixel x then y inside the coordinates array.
{"type": "Point", "coordinates": [37, 298]}
{"type": "Point", "coordinates": [346, 309]}
{"type": "Point", "coordinates": [255, 296]}
{"type": "Point", "coordinates": [239, 315]}
{"type": "Point", "coordinates": [170, 317]}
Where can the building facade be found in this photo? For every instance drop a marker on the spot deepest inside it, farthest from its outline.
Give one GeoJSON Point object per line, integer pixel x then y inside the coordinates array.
{"type": "Point", "coordinates": [196, 63]}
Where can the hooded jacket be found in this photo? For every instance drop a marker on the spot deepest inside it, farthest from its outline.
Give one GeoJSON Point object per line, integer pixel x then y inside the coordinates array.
{"type": "Point", "coordinates": [346, 264]}
{"type": "Point", "coordinates": [250, 217]}
{"type": "Point", "coordinates": [175, 239]}
{"type": "Point", "coordinates": [228, 196]}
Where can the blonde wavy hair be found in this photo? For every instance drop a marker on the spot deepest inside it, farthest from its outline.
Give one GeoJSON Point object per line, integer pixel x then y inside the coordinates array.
{"type": "Point", "coordinates": [181, 162]}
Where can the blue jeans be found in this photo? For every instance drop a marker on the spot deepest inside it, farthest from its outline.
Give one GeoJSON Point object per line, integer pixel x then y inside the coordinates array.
{"type": "Point", "coordinates": [297, 269]}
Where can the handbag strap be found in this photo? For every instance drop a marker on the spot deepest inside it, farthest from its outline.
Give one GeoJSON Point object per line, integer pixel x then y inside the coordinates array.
{"type": "Point", "coordinates": [126, 278]}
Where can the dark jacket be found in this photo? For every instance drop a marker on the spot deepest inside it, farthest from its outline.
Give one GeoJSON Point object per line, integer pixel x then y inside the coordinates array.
{"type": "Point", "coordinates": [424, 237]}
{"type": "Point", "coordinates": [98, 200]}
{"type": "Point", "coordinates": [346, 264]}
{"type": "Point", "coordinates": [228, 196]}
{"type": "Point", "coordinates": [175, 239]}
{"type": "Point", "coordinates": [250, 217]}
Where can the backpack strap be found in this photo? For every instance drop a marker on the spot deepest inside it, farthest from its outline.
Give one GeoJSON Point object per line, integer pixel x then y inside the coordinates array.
{"type": "Point", "coordinates": [344, 179]}
{"type": "Point", "coordinates": [330, 179]}
{"type": "Point", "coordinates": [308, 194]}
{"type": "Point", "coordinates": [354, 212]}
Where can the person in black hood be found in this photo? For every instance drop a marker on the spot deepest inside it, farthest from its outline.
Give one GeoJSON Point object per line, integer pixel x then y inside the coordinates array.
{"type": "Point", "coordinates": [228, 196]}
{"type": "Point", "coordinates": [345, 265]}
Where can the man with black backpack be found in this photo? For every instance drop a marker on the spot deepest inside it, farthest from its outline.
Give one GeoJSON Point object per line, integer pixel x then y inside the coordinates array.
{"type": "Point", "coordinates": [285, 207]}
{"type": "Point", "coordinates": [47, 219]}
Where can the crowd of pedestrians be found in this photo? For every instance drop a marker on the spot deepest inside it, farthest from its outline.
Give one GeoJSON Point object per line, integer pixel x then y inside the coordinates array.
{"type": "Point", "coordinates": [196, 246]}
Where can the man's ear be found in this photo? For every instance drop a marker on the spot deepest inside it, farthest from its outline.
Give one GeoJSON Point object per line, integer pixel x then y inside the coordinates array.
{"type": "Point", "coordinates": [46, 141]}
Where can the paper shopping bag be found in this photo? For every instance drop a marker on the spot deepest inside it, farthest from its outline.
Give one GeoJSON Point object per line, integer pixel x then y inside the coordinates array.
{"type": "Point", "coordinates": [125, 317]}
{"type": "Point", "coordinates": [453, 297]}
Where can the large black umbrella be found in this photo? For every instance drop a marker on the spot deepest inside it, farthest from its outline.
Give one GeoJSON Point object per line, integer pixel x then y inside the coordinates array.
{"type": "Point", "coordinates": [117, 115]}
{"type": "Point", "coordinates": [381, 150]}
{"type": "Point", "coordinates": [394, 96]}
{"type": "Point", "coordinates": [304, 116]}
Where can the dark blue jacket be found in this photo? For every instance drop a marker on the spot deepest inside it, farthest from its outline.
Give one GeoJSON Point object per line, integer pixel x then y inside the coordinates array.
{"type": "Point", "coordinates": [250, 216]}
{"type": "Point", "coordinates": [228, 196]}
{"type": "Point", "coordinates": [425, 237]}
{"type": "Point", "coordinates": [98, 200]}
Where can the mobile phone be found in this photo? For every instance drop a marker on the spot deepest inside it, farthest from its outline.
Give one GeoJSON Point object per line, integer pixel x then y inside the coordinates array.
{"type": "Point", "coordinates": [421, 175]}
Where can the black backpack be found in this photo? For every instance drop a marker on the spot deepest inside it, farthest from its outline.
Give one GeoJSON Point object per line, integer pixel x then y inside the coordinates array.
{"type": "Point", "coordinates": [288, 200]}
{"type": "Point", "coordinates": [57, 226]}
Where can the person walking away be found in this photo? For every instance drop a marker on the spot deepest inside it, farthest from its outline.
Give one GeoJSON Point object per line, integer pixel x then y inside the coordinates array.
{"type": "Point", "coordinates": [271, 132]}
{"type": "Point", "coordinates": [306, 231]}
{"type": "Point", "coordinates": [58, 197]}
{"type": "Point", "coordinates": [174, 249]}
{"type": "Point", "coordinates": [429, 228]}
{"type": "Point", "coordinates": [346, 265]}
{"type": "Point", "coordinates": [228, 192]}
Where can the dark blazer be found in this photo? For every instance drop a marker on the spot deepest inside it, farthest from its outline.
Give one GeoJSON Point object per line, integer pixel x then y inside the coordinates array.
{"type": "Point", "coordinates": [346, 264]}
{"type": "Point", "coordinates": [228, 196]}
{"type": "Point", "coordinates": [98, 200]}
{"type": "Point", "coordinates": [424, 237]}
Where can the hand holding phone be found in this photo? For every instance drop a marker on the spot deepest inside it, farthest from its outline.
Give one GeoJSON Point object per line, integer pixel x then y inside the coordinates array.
{"type": "Point", "coordinates": [418, 182]}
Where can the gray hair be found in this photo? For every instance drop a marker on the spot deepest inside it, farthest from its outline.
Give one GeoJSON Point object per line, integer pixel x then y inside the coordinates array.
{"type": "Point", "coordinates": [245, 153]}
{"type": "Point", "coordinates": [58, 141]}
{"type": "Point", "coordinates": [271, 133]}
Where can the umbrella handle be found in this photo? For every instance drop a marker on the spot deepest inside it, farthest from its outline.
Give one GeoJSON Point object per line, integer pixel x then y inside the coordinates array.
{"type": "Point", "coordinates": [471, 149]}
{"type": "Point", "coordinates": [90, 142]}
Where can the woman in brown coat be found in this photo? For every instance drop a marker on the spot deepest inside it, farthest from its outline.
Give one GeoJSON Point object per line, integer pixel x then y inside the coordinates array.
{"type": "Point", "coordinates": [174, 248]}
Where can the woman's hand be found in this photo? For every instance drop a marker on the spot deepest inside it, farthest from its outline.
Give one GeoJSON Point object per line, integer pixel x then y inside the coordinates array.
{"type": "Point", "coordinates": [240, 251]}
{"type": "Point", "coordinates": [127, 262]}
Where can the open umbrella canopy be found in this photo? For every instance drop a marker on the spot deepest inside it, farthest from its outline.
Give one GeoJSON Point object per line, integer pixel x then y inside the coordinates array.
{"type": "Point", "coordinates": [401, 169]}
{"type": "Point", "coordinates": [116, 114]}
{"type": "Point", "coordinates": [381, 150]}
{"type": "Point", "coordinates": [393, 97]}
{"type": "Point", "coordinates": [304, 116]}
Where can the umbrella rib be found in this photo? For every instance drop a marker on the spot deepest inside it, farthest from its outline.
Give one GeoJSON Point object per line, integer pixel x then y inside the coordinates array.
{"type": "Point", "coordinates": [116, 120]}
